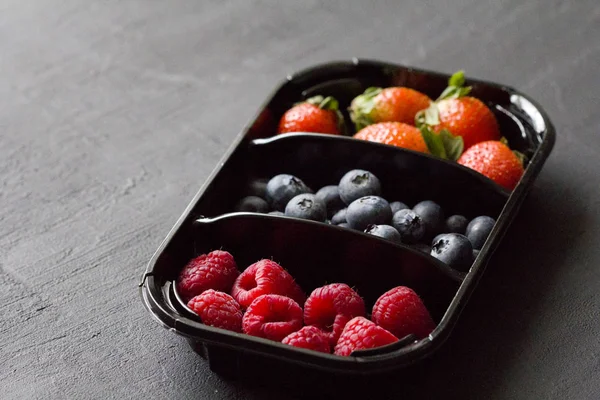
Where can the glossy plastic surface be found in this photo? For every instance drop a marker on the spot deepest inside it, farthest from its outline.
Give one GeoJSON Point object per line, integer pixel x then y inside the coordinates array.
{"type": "Point", "coordinates": [316, 253]}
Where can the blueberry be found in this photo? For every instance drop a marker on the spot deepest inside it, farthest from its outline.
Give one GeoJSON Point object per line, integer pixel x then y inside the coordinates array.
{"type": "Point", "coordinates": [475, 254]}
{"type": "Point", "coordinates": [409, 224]}
{"type": "Point", "coordinates": [276, 213]}
{"type": "Point", "coordinates": [344, 225]}
{"type": "Point", "coordinates": [252, 204]}
{"type": "Point", "coordinates": [422, 247]}
{"type": "Point", "coordinates": [339, 217]}
{"type": "Point", "coordinates": [258, 187]}
{"type": "Point", "coordinates": [453, 249]}
{"type": "Point", "coordinates": [281, 189]}
{"type": "Point", "coordinates": [306, 206]}
{"type": "Point", "coordinates": [397, 206]}
{"type": "Point", "coordinates": [384, 231]}
{"type": "Point", "coordinates": [456, 224]}
{"type": "Point", "coordinates": [435, 239]}
{"type": "Point", "coordinates": [432, 215]}
{"type": "Point", "coordinates": [479, 229]}
{"type": "Point", "coordinates": [368, 210]}
{"type": "Point", "coordinates": [358, 183]}
{"type": "Point", "coordinates": [330, 195]}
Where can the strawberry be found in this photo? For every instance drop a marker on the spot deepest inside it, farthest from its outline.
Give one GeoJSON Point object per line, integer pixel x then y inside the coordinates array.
{"type": "Point", "coordinates": [391, 104]}
{"type": "Point", "coordinates": [495, 160]}
{"type": "Point", "coordinates": [460, 114]}
{"type": "Point", "coordinates": [395, 134]}
{"type": "Point", "coordinates": [316, 115]}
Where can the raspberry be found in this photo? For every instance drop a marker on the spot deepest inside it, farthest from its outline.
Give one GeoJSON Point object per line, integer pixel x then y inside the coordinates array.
{"type": "Point", "coordinates": [216, 270]}
{"type": "Point", "coordinates": [309, 337]}
{"type": "Point", "coordinates": [360, 334]}
{"type": "Point", "coordinates": [401, 311]}
{"type": "Point", "coordinates": [217, 309]}
{"type": "Point", "coordinates": [272, 316]}
{"type": "Point", "coordinates": [330, 307]}
{"type": "Point", "coordinates": [265, 277]}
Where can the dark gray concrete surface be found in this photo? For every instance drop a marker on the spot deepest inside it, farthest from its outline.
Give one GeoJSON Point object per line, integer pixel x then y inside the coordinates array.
{"type": "Point", "coordinates": [112, 114]}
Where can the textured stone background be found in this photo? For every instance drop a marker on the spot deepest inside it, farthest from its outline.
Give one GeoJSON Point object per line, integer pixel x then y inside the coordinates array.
{"type": "Point", "coordinates": [112, 114]}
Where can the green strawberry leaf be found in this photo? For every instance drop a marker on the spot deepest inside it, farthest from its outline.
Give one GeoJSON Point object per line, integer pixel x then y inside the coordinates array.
{"type": "Point", "coordinates": [361, 121]}
{"type": "Point", "coordinates": [429, 116]}
{"type": "Point", "coordinates": [456, 87]}
{"type": "Point", "coordinates": [372, 91]}
{"type": "Point", "coordinates": [326, 103]}
{"type": "Point", "coordinates": [329, 103]}
{"type": "Point", "coordinates": [453, 145]}
{"type": "Point", "coordinates": [433, 141]}
{"type": "Point", "coordinates": [315, 100]}
{"type": "Point", "coordinates": [457, 79]}
{"type": "Point", "coordinates": [522, 157]}
{"type": "Point", "coordinates": [443, 145]}
{"type": "Point", "coordinates": [361, 107]}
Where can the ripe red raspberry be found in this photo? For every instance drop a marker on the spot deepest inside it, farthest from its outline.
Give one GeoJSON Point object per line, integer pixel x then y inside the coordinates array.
{"type": "Point", "coordinates": [330, 307]}
{"type": "Point", "coordinates": [361, 334]}
{"type": "Point", "coordinates": [272, 316]}
{"type": "Point", "coordinates": [309, 337]}
{"type": "Point", "coordinates": [401, 311]}
{"type": "Point", "coordinates": [216, 270]}
{"type": "Point", "coordinates": [265, 277]}
{"type": "Point", "coordinates": [217, 309]}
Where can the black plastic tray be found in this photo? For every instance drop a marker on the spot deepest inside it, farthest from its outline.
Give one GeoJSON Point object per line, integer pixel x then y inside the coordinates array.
{"type": "Point", "coordinates": [316, 253]}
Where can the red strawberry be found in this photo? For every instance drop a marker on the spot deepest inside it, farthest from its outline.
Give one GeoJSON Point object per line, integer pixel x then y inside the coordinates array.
{"type": "Point", "coordinates": [272, 316]}
{"type": "Point", "coordinates": [330, 307]}
{"type": "Point", "coordinates": [265, 277]}
{"type": "Point", "coordinates": [394, 134]}
{"type": "Point", "coordinates": [309, 337]}
{"type": "Point", "coordinates": [401, 311]}
{"type": "Point", "coordinates": [217, 309]}
{"type": "Point", "coordinates": [361, 334]}
{"type": "Point", "coordinates": [495, 160]}
{"type": "Point", "coordinates": [392, 104]}
{"type": "Point", "coordinates": [316, 115]}
{"type": "Point", "coordinates": [216, 270]}
{"type": "Point", "coordinates": [460, 114]}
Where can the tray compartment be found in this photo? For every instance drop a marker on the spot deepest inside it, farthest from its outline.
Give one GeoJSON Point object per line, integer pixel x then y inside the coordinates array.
{"type": "Point", "coordinates": [315, 254]}
{"type": "Point", "coordinates": [321, 160]}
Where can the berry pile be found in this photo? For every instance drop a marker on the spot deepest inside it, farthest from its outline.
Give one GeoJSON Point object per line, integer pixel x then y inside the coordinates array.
{"type": "Point", "coordinates": [356, 202]}
{"type": "Point", "coordinates": [265, 301]}
{"type": "Point", "coordinates": [455, 126]}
